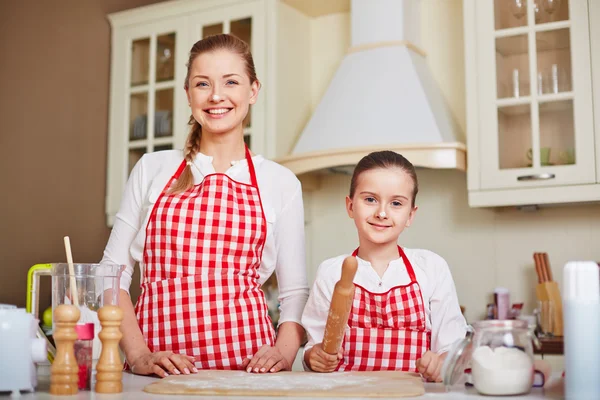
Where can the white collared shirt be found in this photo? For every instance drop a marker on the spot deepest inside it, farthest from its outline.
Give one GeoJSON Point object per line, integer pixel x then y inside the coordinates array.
{"type": "Point", "coordinates": [442, 311]}
{"type": "Point", "coordinates": [281, 196]}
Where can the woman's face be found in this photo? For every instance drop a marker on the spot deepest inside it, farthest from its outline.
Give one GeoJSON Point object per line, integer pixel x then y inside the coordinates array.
{"type": "Point", "coordinates": [382, 205]}
{"type": "Point", "coordinates": [220, 92]}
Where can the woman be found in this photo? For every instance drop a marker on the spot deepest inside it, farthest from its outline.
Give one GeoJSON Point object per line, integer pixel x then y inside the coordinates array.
{"type": "Point", "coordinates": [208, 225]}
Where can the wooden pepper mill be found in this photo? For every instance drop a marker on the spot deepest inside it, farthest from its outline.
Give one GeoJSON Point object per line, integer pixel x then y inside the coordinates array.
{"type": "Point", "coordinates": [109, 376]}
{"type": "Point", "coordinates": [339, 310]}
{"type": "Point", "coordinates": [63, 373]}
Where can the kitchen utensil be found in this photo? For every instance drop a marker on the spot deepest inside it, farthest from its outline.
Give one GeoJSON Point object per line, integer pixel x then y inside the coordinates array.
{"type": "Point", "coordinates": [73, 285]}
{"type": "Point", "coordinates": [546, 317]}
{"type": "Point", "coordinates": [339, 309]}
{"type": "Point", "coordinates": [109, 376]}
{"type": "Point", "coordinates": [64, 370]}
{"type": "Point", "coordinates": [500, 353]}
{"type": "Point", "coordinates": [19, 349]}
{"type": "Point", "coordinates": [547, 290]}
{"type": "Point", "coordinates": [389, 384]}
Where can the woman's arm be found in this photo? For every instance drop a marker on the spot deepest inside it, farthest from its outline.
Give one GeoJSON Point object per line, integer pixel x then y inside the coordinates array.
{"type": "Point", "coordinates": [132, 343]}
{"type": "Point", "coordinates": [127, 225]}
{"type": "Point", "coordinates": [290, 268]}
{"type": "Point", "coordinates": [289, 338]}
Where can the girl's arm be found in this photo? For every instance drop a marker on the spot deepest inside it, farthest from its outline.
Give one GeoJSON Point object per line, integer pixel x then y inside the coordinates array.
{"type": "Point", "coordinates": [314, 317]}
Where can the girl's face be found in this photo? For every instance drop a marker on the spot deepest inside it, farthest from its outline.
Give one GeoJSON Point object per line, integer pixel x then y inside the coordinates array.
{"type": "Point", "coordinates": [220, 92]}
{"type": "Point", "coordinates": [382, 205]}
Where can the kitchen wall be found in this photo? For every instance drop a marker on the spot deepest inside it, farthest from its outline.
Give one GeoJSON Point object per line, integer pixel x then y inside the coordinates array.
{"type": "Point", "coordinates": [485, 248]}
{"type": "Point", "coordinates": [54, 75]}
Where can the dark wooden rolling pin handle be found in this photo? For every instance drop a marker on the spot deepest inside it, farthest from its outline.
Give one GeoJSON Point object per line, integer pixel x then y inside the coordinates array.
{"type": "Point", "coordinates": [339, 310]}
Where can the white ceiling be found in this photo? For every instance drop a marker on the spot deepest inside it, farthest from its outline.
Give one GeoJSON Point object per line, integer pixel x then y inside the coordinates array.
{"type": "Point", "coordinates": [316, 8]}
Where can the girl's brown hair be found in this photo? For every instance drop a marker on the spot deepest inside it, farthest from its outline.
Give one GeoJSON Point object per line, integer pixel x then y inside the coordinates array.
{"type": "Point", "coordinates": [192, 143]}
{"type": "Point", "coordinates": [384, 159]}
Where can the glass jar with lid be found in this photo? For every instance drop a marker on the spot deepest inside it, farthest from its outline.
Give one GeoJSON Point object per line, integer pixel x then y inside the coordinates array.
{"type": "Point", "coordinates": [499, 356]}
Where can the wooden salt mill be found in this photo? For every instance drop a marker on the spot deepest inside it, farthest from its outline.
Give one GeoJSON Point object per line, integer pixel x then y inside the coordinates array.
{"type": "Point", "coordinates": [63, 373]}
{"type": "Point", "coordinates": [339, 310]}
{"type": "Point", "coordinates": [109, 375]}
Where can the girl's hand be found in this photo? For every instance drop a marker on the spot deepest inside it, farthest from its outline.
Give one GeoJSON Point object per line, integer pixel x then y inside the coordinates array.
{"type": "Point", "coordinates": [266, 359]}
{"type": "Point", "coordinates": [163, 363]}
{"type": "Point", "coordinates": [320, 361]}
{"type": "Point", "coordinates": [430, 366]}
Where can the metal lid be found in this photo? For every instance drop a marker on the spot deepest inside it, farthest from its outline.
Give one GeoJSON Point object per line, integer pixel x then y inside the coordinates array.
{"type": "Point", "coordinates": [85, 331]}
{"type": "Point", "coordinates": [457, 361]}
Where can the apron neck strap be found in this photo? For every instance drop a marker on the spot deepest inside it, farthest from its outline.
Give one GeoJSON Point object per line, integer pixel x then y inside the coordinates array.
{"type": "Point", "coordinates": [251, 168]}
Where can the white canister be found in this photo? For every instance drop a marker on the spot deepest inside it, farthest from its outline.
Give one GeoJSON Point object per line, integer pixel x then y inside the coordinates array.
{"type": "Point", "coordinates": [581, 313]}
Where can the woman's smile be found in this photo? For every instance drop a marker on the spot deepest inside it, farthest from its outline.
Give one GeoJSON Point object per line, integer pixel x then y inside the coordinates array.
{"type": "Point", "coordinates": [217, 113]}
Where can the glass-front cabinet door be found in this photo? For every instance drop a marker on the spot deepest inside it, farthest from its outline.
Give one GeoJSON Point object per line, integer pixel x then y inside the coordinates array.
{"type": "Point", "coordinates": [535, 85]}
{"type": "Point", "coordinates": [151, 95]}
{"type": "Point", "coordinates": [245, 21]}
{"type": "Point", "coordinates": [147, 98]}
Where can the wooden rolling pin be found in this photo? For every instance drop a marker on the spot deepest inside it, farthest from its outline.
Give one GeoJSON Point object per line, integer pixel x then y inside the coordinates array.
{"type": "Point", "coordinates": [339, 310]}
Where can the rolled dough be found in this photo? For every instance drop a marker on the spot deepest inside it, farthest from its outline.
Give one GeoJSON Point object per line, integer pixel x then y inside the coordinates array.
{"type": "Point", "coordinates": [300, 384]}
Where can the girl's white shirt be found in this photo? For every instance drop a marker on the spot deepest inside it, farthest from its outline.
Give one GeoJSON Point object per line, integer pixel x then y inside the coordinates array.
{"type": "Point", "coordinates": [281, 196]}
{"type": "Point", "coordinates": [442, 310]}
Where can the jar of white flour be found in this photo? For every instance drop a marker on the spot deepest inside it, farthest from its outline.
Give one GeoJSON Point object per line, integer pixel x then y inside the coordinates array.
{"type": "Point", "coordinates": [499, 355]}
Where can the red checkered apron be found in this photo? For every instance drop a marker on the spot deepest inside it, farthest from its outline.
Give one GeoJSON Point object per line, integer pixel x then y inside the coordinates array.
{"type": "Point", "coordinates": [386, 331]}
{"type": "Point", "coordinates": [200, 293]}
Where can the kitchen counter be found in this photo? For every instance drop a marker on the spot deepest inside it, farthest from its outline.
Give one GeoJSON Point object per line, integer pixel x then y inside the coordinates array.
{"type": "Point", "coordinates": [133, 385]}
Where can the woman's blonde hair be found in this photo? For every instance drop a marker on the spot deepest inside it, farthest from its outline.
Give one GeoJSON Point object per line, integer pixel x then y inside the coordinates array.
{"type": "Point", "coordinates": [192, 143]}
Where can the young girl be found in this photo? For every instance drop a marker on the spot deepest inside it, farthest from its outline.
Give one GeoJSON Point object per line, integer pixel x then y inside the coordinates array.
{"type": "Point", "coordinates": [208, 225]}
{"type": "Point", "coordinates": [405, 314]}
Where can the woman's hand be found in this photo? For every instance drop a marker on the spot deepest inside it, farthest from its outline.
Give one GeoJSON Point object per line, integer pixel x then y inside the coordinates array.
{"type": "Point", "coordinates": [266, 359]}
{"type": "Point", "coordinates": [320, 361]}
{"type": "Point", "coordinates": [163, 363]}
{"type": "Point", "coordinates": [430, 366]}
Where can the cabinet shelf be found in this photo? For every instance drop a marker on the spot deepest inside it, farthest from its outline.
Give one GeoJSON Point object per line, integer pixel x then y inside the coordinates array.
{"type": "Point", "coordinates": [523, 30]}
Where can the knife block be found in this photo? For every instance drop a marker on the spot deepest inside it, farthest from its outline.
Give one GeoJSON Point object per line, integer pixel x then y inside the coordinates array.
{"type": "Point", "coordinates": [549, 291]}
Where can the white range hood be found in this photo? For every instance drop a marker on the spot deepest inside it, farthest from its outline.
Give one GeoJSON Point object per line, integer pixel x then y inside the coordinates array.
{"type": "Point", "coordinates": [382, 96]}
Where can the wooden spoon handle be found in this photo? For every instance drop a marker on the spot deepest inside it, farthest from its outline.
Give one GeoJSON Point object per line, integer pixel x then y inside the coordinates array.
{"type": "Point", "coordinates": [538, 267]}
{"type": "Point", "coordinates": [339, 310]}
{"type": "Point", "coordinates": [548, 269]}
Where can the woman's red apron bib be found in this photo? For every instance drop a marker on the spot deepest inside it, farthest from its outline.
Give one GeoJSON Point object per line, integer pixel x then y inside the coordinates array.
{"type": "Point", "coordinates": [200, 293]}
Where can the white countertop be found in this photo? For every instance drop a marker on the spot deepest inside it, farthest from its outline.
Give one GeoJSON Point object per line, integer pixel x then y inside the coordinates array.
{"type": "Point", "coordinates": [133, 385]}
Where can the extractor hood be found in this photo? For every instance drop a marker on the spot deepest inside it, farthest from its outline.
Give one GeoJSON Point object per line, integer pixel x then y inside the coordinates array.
{"type": "Point", "coordinates": [382, 96]}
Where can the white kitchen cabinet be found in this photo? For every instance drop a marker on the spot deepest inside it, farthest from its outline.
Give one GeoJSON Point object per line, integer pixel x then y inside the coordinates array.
{"type": "Point", "coordinates": [150, 48]}
{"type": "Point", "coordinates": [531, 137]}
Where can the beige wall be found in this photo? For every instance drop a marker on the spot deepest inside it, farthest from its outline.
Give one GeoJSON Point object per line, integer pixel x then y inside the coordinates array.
{"type": "Point", "coordinates": [484, 247]}
{"type": "Point", "coordinates": [54, 80]}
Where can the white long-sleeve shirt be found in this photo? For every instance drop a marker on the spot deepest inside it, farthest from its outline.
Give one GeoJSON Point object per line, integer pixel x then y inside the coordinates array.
{"type": "Point", "coordinates": [442, 311]}
{"type": "Point", "coordinates": [281, 196]}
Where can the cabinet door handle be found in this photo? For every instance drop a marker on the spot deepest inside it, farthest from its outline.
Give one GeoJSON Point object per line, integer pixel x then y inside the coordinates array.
{"type": "Point", "coordinates": [536, 177]}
